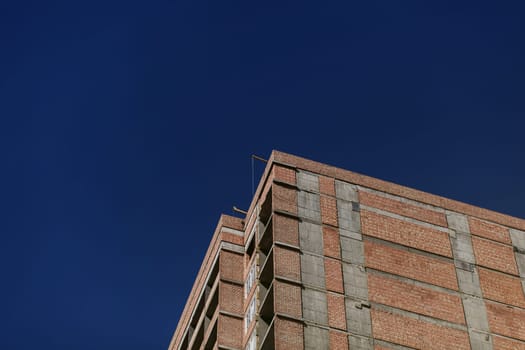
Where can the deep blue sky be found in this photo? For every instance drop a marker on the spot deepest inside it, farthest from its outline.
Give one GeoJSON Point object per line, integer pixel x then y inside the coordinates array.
{"type": "Point", "coordinates": [126, 128]}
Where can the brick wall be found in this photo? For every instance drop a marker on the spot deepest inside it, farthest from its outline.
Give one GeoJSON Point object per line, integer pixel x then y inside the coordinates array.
{"type": "Point", "coordinates": [417, 333]}
{"type": "Point", "coordinates": [287, 263]}
{"type": "Point", "coordinates": [505, 320]}
{"type": "Point", "coordinates": [284, 198]}
{"type": "Point", "coordinates": [232, 266]}
{"type": "Point", "coordinates": [288, 334]}
{"type": "Point", "coordinates": [413, 276]}
{"type": "Point", "coordinates": [328, 210]}
{"type": "Point", "coordinates": [494, 255]}
{"type": "Point", "coordinates": [200, 280]}
{"type": "Point", "coordinates": [333, 275]}
{"type": "Point", "coordinates": [338, 340]}
{"type": "Point", "coordinates": [411, 265]}
{"type": "Point", "coordinates": [331, 242]}
{"type": "Point", "coordinates": [288, 299]}
{"type": "Point", "coordinates": [228, 333]}
{"type": "Point", "coordinates": [286, 229]}
{"type": "Point", "coordinates": [405, 233]}
{"type": "Point", "coordinates": [501, 287]}
{"type": "Point", "coordinates": [402, 208]}
{"type": "Point", "coordinates": [501, 343]}
{"type": "Point", "coordinates": [415, 298]}
{"type": "Point", "coordinates": [284, 174]}
{"type": "Point", "coordinates": [489, 230]}
{"type": "Point", "coordinates": [336, 311]}
{"type": "Point", "coordinates": [231, 297]}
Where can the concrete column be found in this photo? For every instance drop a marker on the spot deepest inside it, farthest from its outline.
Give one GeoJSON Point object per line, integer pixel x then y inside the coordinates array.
{"type": "Point", "coordinates": [312, 271]}
{"type": "Point", "coordinates": [315, 338]}
{"type": "Point", "coordinates": [468, 281]}
{"type": "Point", "coordinates": [315, 309]}
{"type": "Point", "coordinates": [308, 201]}
{"type": "Point", "coordinates": [358, 317]}
{"type": "Point", "coordinates": [311, 237]}
{"type": "Point", "coordinates": [307, 181]}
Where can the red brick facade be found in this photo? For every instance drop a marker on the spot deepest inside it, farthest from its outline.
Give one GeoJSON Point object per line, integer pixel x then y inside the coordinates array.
{"type": "Point", "coordinates": [414, 298]}
{"type": "Point", "coordinates": [330, 259]}
{"type": "Point", "coordinates": [416, 333]}
{"type": "Point", "coordinates": [411, 265]}
{"type": "Point", "coordinates": [405, 233]}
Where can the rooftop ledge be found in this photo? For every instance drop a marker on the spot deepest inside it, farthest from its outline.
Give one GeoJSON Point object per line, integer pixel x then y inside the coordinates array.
{"type": "Point", "coordinates": [297, 162]}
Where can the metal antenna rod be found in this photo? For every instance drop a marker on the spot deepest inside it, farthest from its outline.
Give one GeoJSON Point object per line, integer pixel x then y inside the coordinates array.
{"type": "Point", "coordinates": [239, 210]}
{"type": "Point", "coordinates": [254, 157]}
{"type": "Point", "coordinates": [259, 158]}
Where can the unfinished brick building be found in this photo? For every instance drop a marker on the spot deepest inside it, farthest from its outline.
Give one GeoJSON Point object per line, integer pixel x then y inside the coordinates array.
{"type": "Point", "coordinates": [330, 259]}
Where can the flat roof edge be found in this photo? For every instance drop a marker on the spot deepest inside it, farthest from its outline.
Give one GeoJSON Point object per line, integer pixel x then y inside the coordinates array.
{"type": "Point", "coordinates": [398, 190]}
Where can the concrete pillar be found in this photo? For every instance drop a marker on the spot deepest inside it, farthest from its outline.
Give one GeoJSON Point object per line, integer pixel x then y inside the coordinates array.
{"type": "Point", "coordinates": [315, 309]}
{"type": "Point", "coordinates": [315, 338]}
{"type": "Point", "coordinates": [358, 319]}
{"type": "Point", "coordinates": [468, 281]}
